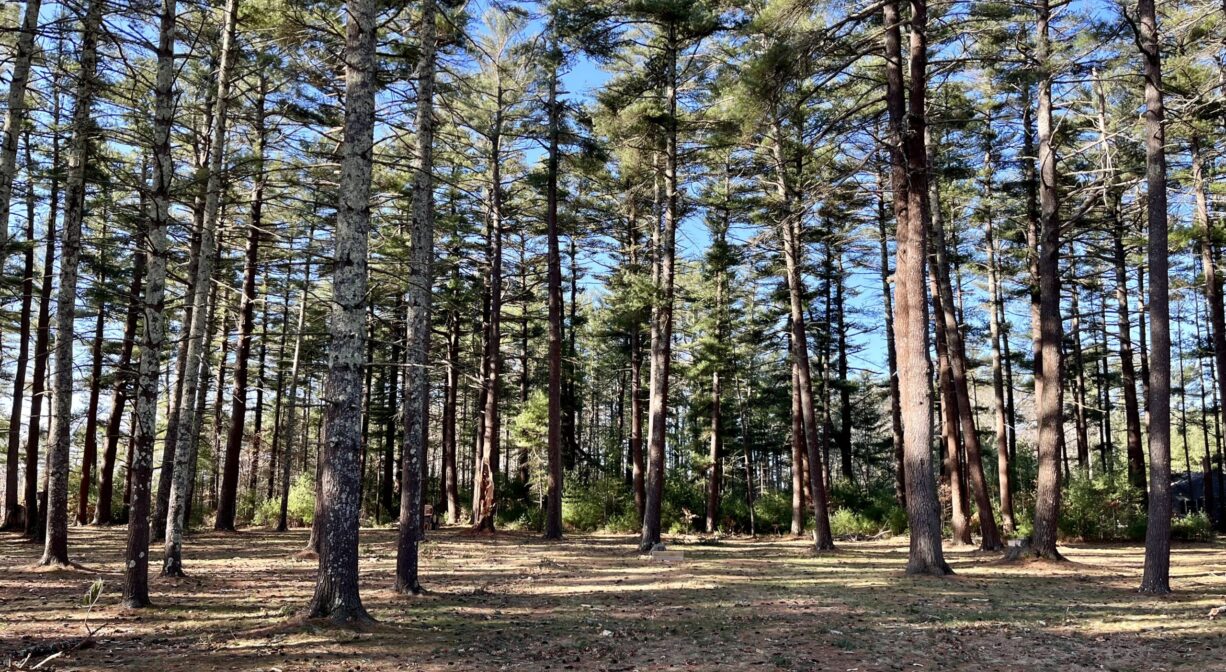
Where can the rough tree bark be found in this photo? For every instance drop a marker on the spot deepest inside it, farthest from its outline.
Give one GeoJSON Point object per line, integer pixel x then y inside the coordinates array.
{"type": "Point", "coordinates": [1048, 398]}
{"type": "Point", "coordinates": [789, 232]}
{"type": "Point", "coordinates": [451, 395]}
{"type": "Point", "coordinates": [956, 350]}
{"type": "Point", "coordinates": [42, 340]}
{"type": "Point", "coordinates": [1156, 577]}
{"type": "Point", "coordinates": [124, 382]}
{"type": "Point", "coordinates": [996, 303]}
{"type": "Point", "coordinates": [662, 312]}
{"type": "Point", "coordinates": [336, 588]}
{"type": "Point", "coordinates": [553, 447]}
{"type": "Point", "coordinates": [227, 503]}
{"type": "Point", "coordinates": [799, 444]}
{"type": "Point", "coordinates": [197, 332]}
{"type": "Point", "coordinates": [14, 117]}
{"type": "Point", "coordinates": [56, 550]}
{"type": "Point", "coordinates": [153, 335]}
{"type": "Point", "coordinates": [12, 502]}
{"type": "Point", "coordinates": [909, 184]}
{"type": "Point", "coordinates": [417, 316]}
{"type": "Point", "coordinates": [89, 456]}
{"type": "Point", "coordinates": [483, 493]}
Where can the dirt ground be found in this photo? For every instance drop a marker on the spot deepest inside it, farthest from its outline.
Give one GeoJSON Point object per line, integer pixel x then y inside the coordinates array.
{"type": "Point", "coordinates": [513, 602]}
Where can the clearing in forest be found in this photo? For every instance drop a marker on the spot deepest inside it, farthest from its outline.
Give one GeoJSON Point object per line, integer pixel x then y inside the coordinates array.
{"type": "Point", "coordinates": [513, 602]}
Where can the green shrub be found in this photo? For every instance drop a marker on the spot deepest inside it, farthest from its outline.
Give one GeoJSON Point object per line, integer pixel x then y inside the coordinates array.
{"type": "Point", "coordinates": [1192, 527]}
{"type": "Point", "coordinates": [773, 511]}
{"type": "Point", "coordinates": [267, 513]}
{"type": "Point", "coordinates": [845, 523]}
{"type": "Point", "coordinates": [896, 520]}
{"type": "Point", "coordinates": [300, 511]}
{"type": "Point", "coordinates": [249, 501]}
{"type": "Point", "coordinates": [591, 506]}
{"type": "Point", "coordinates": [1104, 508]}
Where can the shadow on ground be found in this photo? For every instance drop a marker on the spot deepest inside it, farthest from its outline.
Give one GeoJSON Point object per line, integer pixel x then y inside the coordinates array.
{"type": "Point", "coordinates": [513, 602]}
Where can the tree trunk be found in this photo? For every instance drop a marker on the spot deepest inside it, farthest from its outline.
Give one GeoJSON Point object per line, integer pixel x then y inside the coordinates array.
{"type": "Point", "coordinates": [887, 302]}
{"type": "Point", "coordinates": [1156, 578]}
{"type": "Point", "coordinates": [14, 119]}
{"type": "Point", "coordinates": [996, 309]}
{"type": "Point", "coordinates": [1048, 398]}
{"type": "Point", "coordinates": [844, 385]}
{"type": "Point", "coordinates": [124, 387]}
{"type": "Point", "coordinates": [387, 490]}
{"type": "Point", "coordinates": [951, 431]}
{"type": "Point", "coordinates": [291, 412]}
{"type": "Point", "coordinates": [279, 389]}
{"type": "Point", "coordinates": [42, 340]}
{"type": "Point", "coordinates": [789, 232]}
{"type": "Point", "coordinates": [56, 551]}
{"type": "Point", "coordinates": [956, 351]}
{"type": "Point", "coordinates": [336, 589]}
{"type": "Point", "coordinates": [200, 181]}
{"type": "Point", "coordinates": [153, 335]}
{"type": "Point", "coordinates": [12, 502]}
{"type": "Point", "coordinates": [716, 457]}
{"type": "Point", "coordinates": [197, 331]}
{"type": "Point", "coordinates": [227, 503]}
{"type": "Point", "coordinates": [662, 313]}
{"type": "Point", "coordinates": [450, 411]}
{"type": "Point", "coordinates": [89, 456]}
{"type": "Point", "coordinates": [910, 186]}
{"type": "Point", "coordinates": [553, 441]}
{"type": "Point", "coordinates": [257, 437]}
{"type": "Point", "coordinates": [1079, 389]}
{"type": "Point", "coordinates": [484, 495]}
{"type": "Point", "coordinates": [417, 316]}
{"type": "Point", "coordinates": [799, 444]}
{"type": "Point", "coordinates": [1213, 284]}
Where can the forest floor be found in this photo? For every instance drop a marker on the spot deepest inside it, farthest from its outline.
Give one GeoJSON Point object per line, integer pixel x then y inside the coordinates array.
{"type": "Point", "coordinates": [514, 602]}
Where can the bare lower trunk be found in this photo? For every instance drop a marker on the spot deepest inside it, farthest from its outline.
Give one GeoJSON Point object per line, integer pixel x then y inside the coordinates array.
{"type": "Point", "coordinates": [1048, 398]}
{"type": "Point", "coordinates": [450, 417]}
{"type": "Point", "coordinates": [798, 442]}
{"type": "Point", "coordinates": [1079, 389]}
{"type": "Point", "coordinates": [14, 117]}
{"type": "Point", "coordinates": [417, 316]}
{"type": "Point", "coordinates": [227, 503]}
{"type": "Point", "coordinates": [153, 335]}
{"type": "Point", "coordinates": [56, 550]}
{"type": "Point", "coordinates": [910, 187]}
{"type": "Point", "coordinates": [119, 397]}
{"type": "Point", "coordinates": [662, 313]}
{"type": "Point", "coordinates": [291, 413]}
{"type": "Point", "coordinates": [716, 476]}
{"type": "Point", "coordinates": [999, 403]}
{"type": "Point", "coordinates": [89, 456]}
{"type": "Point", "coordinates": [1213, 290]}
{"type": "Point", "coordinates": [484, 495]}
{"type": "Point", "coordinates": [951, 432]}
{"type": "Point", "coordinates": [553, 443]}
{"type": "Point", "coordinates": [184, 457]}
{"type": "Point", "coordinates": [42, 353]}
{"type": "Point", "coordinates": [1156, 578]}
{"type": "Point", "coordinates": [12, 501]}
{"type": "Point", "coordinates": [336, 589]}
{"type": "Point", "coordinates": [956, 350]}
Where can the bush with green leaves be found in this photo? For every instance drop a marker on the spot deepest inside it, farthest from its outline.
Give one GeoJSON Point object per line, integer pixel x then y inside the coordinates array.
{"type": "Point", "coordinates": [1103, 508]}
{"type": "Point", "coordinates": [847, 524]}
{"type": "Point", "coordinates": [595, 505]}
{"type": "Point", "coordinates": [1192, 527]}
{"type": "Point", "coordinates": [301, 509]}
